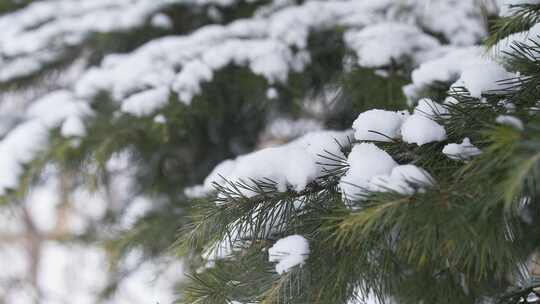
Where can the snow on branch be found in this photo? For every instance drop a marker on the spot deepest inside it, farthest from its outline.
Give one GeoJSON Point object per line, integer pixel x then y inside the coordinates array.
{"type": "Point", "coordinates": [273, 45]}
{"type": "Point", "coordinates": [41, 33]}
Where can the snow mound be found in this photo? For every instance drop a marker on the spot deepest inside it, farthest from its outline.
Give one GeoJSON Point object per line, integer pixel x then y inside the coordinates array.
{"type": "Point", "coordinates": [404, 179]}
{"type": "Point", "coordinates": [485, 77]}
{"type": "Point", "coordinates": [389, 42]}
{"type": "Point", "coordinates": [294, 165]}
{"type": "Point", "coordinates": [28, 139]}
{"type": "Point", "coordinates": [366, 161]}
{"type": "Point", "coordinates": [420, 130]}
{"type": "Point", "coordinates": [289, 252]}
{"type": "Point", "coordinates": [378, 125]}
{"type": "Point", "coordinates": [464, 151]}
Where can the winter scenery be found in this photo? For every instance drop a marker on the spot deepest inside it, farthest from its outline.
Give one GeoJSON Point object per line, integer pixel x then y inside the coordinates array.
{"type": "Point", "coordinates": [269, 151]}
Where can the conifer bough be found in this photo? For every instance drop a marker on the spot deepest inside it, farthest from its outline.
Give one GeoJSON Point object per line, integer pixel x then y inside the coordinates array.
{"type": "Point", "coordinates": [403, 160]}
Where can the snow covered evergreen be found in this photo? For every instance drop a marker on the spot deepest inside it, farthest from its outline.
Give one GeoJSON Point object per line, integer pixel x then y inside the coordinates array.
{"type": "Point", "coordinates": [282, 151]}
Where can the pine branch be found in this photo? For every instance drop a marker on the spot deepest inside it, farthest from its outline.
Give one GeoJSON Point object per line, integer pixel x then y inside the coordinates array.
{"type": "Point", "coordinates": [523, 17]}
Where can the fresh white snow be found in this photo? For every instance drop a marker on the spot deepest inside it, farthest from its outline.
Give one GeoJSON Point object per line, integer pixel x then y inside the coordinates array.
{"type": "Point", "coordinates": [486, 77]}
{"type": "Point", "coordinates": [464, 151]}
{"type": "Point", "coordinates": [378, 125]}
{"type": "Point", "coordinates": [42, 32]}
{"type": "Point", "coordinates": [389, 43]}
{"type": "Point", "coordinates": [373, 170]}
{"type": "Point", "coordinates": [420, 130]}
{"type": "Point", "coordinates": [264, 45]}
{"type": "Point", "coordinates": [404, 179]}
{"type": "Point", "coordinates": [468, 67]}
{"type": "Point", "coordinates": [292, 165]}
{"type": "Point", "coordinates": [146, 103]}
{"type": "Point", "coordinates": [366, 161]}
{"type": "Point", "coordinates": [26, 140]}
{"type": "Point", "coordinates": [289, 252]}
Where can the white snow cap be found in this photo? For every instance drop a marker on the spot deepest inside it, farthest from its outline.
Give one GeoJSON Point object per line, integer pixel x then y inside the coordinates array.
{"type": "Point", "coordinates": [289, 252]}
{"type": "Point", "coordinates": [160, 119]}
{"type": "Point", "coordinates": [272, 93]}
{"type": "Point", "coordinates": [73, 127]}
{"type": "Point", "coordinates": [53, 108]}
{"type": "Point", "coordinates": [378, 125]}
{"type": "Point", "coordinates": [161, 21]}
{"type": "Point", "coordinates": [188, 82]}
{"type": "Point", "coordinates": [484, 77]}
{"type": "Point", "coordinates": [40, 33]}
{"type": "Point", "coordinates": [446, 68]}
{"type": "Point", "coordinates": [286, 128]}
{"type": "Point", "coordinates": [421, 130]}
{"type": "Point", "coordinates": [464, 151]}
{"type": "Point", "coordinates": [274, 43]}
{"type": "Point", "coordinates": [381, 44]}
{"type": "Point", "coordinates": [510, 121]}
{"type": "Point", "coordinates": [18, 148]}
{"type": "Point", "coordinates": [467, 67]}
{"type": "Point", "coordinates": [373, 170]}
{"type": "Point", "coordinates": [26, 140]}
{"type": "Point", "coordinates": [146, 102]}
{"type": "Point", "coordinates": [295, 164]}
{"type": "Point", "coordinates": [404, 179]}
{"type": "Point", "coordinates": [366, 160]}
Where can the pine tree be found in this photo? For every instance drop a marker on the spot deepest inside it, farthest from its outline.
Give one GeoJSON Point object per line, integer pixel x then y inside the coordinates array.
{"type": "Point", "coordinates": [407, 210]}
{"type": "Point", "coordinates": [142, 99]}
